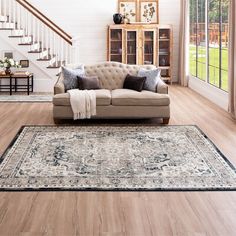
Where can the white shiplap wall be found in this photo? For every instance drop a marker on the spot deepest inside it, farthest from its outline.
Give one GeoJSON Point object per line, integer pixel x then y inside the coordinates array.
{"type": "Point", "coordinates": [88, 20]}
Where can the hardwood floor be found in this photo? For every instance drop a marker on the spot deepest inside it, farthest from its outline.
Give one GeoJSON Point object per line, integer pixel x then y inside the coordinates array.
{"type": "Point", "coordinates": [123, 213]}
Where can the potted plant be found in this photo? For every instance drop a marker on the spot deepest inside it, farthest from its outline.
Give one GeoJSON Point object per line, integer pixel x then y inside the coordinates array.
{"type": "Point", "coordinates": [7, 63]}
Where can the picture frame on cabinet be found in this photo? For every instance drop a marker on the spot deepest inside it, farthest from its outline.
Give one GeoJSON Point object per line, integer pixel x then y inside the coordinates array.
{"type": "Point", "coordinates": [129, 9]}
{"type": "Point", "coordinates": [149, 11]}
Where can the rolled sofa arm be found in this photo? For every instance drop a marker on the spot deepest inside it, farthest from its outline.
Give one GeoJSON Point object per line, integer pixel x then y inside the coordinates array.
{"type": "Point", "coordinates": [162, 87]}
{"type": "Point", "coordinates": [59, 86]}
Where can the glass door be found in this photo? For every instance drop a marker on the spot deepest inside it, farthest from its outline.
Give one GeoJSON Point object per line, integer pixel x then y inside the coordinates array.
{"type": "Point", "coordinates": [149, 44]}
{"type": "Point", "coordinates": [131, 47]}
{"type": "Point", "coordinates": [116, 47]}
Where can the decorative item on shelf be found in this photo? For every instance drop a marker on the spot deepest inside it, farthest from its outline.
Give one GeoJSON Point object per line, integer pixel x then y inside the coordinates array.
{"type": "Point", "coordinates": [7, 63]}
{"type": "Point", "coordinates": [149, 11]}
{"type": "Point", "coordinates": [24, 63]}
{"type": "Point", "coordinates": [163, 36]}
{"type": "Point", "coordinates": [126, 20]}
{"type": "Point", "coordinates": [128, 8]}
{"type": "Point", "coordinates": [163, 62]}
{"type": "Point", "coordinates": [118, 18]}
{"type": "Point", "coordinates": [120, 50]}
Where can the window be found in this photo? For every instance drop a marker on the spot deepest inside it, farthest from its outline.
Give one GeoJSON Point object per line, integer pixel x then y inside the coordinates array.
{"type": "Point", "coordinates": [209, 35]}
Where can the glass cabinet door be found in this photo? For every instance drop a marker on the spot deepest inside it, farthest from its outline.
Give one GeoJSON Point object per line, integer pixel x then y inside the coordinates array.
{"type": "Point", "coordinates": [149, 44]}
{"type": "Point", "coordinates": [131, 47]}
{"type": "Point", "coordinates": [116, 49]}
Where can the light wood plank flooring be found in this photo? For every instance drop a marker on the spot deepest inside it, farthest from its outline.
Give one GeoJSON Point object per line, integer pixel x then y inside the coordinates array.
{"type": "Point", "coordinates": [123, 213]}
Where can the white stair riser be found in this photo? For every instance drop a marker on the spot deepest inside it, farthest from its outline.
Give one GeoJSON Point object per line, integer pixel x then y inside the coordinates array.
{"type": "Point", "coordinates": [3, 18]}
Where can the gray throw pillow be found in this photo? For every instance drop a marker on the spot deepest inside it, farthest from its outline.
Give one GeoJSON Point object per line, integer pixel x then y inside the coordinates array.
{"type": "Point", "coordinates": [88, 82]}
{"type": "Point", "coordinates": [70, 77]}
{"type": "Point", "coordinates": [152, 78]}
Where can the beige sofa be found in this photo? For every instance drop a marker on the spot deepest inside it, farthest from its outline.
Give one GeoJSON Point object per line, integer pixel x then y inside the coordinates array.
{"type": "Point", "coordinates": [112, 100]}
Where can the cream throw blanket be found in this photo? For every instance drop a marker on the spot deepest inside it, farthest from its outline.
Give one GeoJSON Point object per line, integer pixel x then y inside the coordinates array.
{"type": "Point", "coordinates": [83, 103]}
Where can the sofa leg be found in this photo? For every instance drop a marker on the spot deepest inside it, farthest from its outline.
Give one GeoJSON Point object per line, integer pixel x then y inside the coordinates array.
{"type": "Point", "coordinates": [56, 121]}
{"type": "Point", "coordinates": [166, 121]}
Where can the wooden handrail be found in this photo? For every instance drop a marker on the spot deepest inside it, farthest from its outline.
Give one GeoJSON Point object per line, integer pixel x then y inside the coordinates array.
{"type": "Point", "coordinates": [46, 20]}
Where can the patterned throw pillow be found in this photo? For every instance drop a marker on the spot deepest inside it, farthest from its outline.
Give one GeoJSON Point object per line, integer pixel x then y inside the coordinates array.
{"type": "Point", "coordinates": [70, 77]}
{"type": "Point", "coordinates": [153, 78]}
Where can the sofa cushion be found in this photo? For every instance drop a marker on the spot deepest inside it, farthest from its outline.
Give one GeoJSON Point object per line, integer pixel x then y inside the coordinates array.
{"type": "Point", "coordinates": [103, 98]}
{"type": "Point", "coordinates": [126, 97]}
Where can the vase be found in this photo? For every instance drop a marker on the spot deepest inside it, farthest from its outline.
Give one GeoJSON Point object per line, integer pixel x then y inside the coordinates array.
{"type": "Point", "coordinates": [7, 70]}
{"type": "Point", "coordinates": [117, 18]}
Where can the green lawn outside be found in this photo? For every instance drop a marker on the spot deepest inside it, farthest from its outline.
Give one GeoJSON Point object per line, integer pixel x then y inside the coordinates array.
{"type": "Point", "coordinates": [213, 64]}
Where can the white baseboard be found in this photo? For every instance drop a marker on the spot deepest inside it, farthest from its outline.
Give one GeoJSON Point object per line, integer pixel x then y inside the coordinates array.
{"type": "Point", "coordinates": [214, 94]}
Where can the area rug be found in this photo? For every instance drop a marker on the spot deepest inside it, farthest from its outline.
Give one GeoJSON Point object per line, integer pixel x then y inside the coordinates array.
{"type": "Point", "coordinates": [144, 158]}
{"type": "Point", "coordinates": [25, 98]}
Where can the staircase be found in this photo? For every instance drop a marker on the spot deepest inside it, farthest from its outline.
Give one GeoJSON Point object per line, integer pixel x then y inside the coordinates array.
{"type": "Point", "coordinates": [34, 35]}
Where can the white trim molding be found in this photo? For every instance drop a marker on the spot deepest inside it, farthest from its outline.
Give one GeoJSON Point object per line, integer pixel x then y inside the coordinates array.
{"type": "Point", "coordinates": [214, 94]}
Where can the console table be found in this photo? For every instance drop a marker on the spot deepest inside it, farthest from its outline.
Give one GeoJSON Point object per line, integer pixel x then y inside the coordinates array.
{"type": "Point", "coordinates": [13, 85]}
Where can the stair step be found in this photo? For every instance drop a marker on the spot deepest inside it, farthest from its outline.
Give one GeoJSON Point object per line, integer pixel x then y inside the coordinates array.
{"type": "Point", "coordinates": [56, 65]}
{"type": "Point", "coordinates": [6, 28]}
{"type": "Point", "coordinates": [7, 25]}
{"type": "Point", "coordinates": [25, 44]}
{"type": "Point", "coordinates": [44, 59]}
{"type": "Point", "coordinates": [47, 57]}
{"type": "Point", "coordinates": [53, 67]}
{"type": "Point", "coordinates": [37, 50]}
{"type": "Point", "coordinates": [16, 36]}
{"type": "Point", "coordinates": [3, 18]}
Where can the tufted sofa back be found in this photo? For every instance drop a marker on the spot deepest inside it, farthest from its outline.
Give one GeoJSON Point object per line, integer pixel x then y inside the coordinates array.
{"type": "Point", "coordinates": [112, 74]}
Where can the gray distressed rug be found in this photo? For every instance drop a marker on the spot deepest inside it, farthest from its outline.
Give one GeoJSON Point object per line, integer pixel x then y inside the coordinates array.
{"type": "Point", "coordinates": [26, 98]}
{"type": "Point", "coordinates": [168, 158]}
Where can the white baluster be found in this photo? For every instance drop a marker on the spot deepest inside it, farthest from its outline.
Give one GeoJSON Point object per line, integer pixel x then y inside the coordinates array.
{"type": "Point", "coordinates": [9, 11]}
{"type": "Point", "coordinates": [61, 48]}
{"type": "Point", "coordinates": [42, 36]}
{"type": "Point", "coordinates": [47, 40]}
{"type": "Point", "coordinates": [38, 33]}
{"type": "Point", "coordinates": [5, 8]}
{"type": "Point", "coordinates": [14, 13]}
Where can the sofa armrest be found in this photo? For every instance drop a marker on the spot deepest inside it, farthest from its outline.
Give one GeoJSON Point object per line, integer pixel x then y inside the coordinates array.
{"type": "Point", "coordinates": [162, 87]}
{"type": "Point", "coordinates": [59, 86]}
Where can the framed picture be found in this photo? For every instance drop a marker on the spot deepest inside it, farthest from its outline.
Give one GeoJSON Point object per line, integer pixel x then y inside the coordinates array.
{"type": "Point", "coordinates": [128, 8]}
{"type": "Point", "coordinates": [8, 54]}
{"type": "Point", "coordinates": [24, 63]}
{"type": "Point", "coordinates": [149, 11]}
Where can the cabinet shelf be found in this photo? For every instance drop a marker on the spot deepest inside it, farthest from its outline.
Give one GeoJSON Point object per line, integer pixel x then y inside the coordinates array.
{"type": "Point", "coordinates": [164, 67]}
{"type": "Point", "coordinates": [166, 78]}
{"type": "Point", "coordinates": [164, 40]}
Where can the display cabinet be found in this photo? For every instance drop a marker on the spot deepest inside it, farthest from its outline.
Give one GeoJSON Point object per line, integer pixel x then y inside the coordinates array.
{"type": "Point", "coordinates": [144, 44]}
